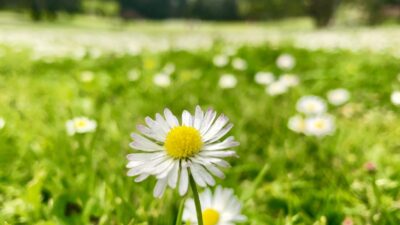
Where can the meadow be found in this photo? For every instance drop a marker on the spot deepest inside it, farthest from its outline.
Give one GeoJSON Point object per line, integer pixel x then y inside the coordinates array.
{"type": "Point", "coordinates": [281, 177]}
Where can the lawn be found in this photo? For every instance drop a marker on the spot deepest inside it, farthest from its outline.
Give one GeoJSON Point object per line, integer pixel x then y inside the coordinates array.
{"type": "Point", "coordinates": [281, 177]}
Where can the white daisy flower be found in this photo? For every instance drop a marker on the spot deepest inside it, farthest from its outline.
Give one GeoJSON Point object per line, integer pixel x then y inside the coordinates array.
{"type": "Point", "coordinates": [87, 76]}
{"type": "Point", "coordinates": [80, 125]}
{"type": "Point", "coordinates": [170, 150]}
{"type": "Point", "coordinates": [2, 123]}
{"type": "Point", "coordinates": [338, 96]}
{"type": "Point", "coordinates": [320, 125]}
{"type": "Point", "coordinates": [285, 62]}
{"type": "Point", "coordinates": [289, 80]}
{"type": "Point", "coordinates": [311, 105]}
{"type": "Point", "coordinates": [220, 60]}
{"type": "Point", "coordinates": [220, 208]}
{"type": "Point", "coordinates": [276, 88]}
{"type": "Point", "coordinates": [227, 81]}
{"type": "Point", "coordinates": [264, 78]}
{"type": "Point", "coordinates": [169, 68]}
{"type": "Point", "coordinates": [297, 124]}
{"type": "Point", "coordinates": [133, 75]}
{"type": "Point", "coordinates": [395, 98]}
{"type": "Point", "coordinates": [239, 64]}
{"type": "Point", "coordinates": [162, 80]}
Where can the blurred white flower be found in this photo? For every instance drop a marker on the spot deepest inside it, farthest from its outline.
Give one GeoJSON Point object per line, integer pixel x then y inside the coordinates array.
{"type": "Point", "coordinates": [297, 124]}
{"type": "Point", "coordinates": [276, 88]}
{"type": "Point", "coordinates": [289, 80]}
{"type": "Point", "coordinates": [264, 78]}
{"type": "Point", "coordinates": [338, 96]}
{"type": "Point", "coordinates": [2, 123]}
{"type": "Point", "coordinates": [239, 64]}
{"type": "Point", "coordinates": [395, 98]}
{"type": "Point", "coordinates": [162, 80]}
{"type": "Point", "coordinates": [311, 105]}
{"type": "Point", "coordinates": [87, 76]}
{"type": "Point", "coordinates": [220, 208]}
{"type": "Point", "coordinates": [320, 125]}
{"type": "Point", "coordinates": [227, 81]}
{"type": "Point", "coordinates": [230, 51]}
{"type": "Point", "coordinates": [169, 68]}
{"type": "Point", "coordinates": [80, 125]}
{"type": "Point", "coordinates": [220, 60]}
{"type": "Point", "coordinates": [133, 75]}
{"type": "Point", "coordinates": [285, 62]}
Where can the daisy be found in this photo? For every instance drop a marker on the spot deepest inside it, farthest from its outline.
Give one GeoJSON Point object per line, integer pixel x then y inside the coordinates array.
{"type": "Point", "coordinates": [395, 98]}
{"type": "Point", "coordinates": [264, 78]}
{"type": "Point", "coordinates": [296, 123]}
{"type": "Point", "coordinates": [2, 123]}
{"type": "Point", "coordinates": [289, 80]}
{"type": "Point", "coordinates": [319, 126]}
{"type": "Point", "coordinates": [285, 62]}
{"type": "Point", "coordinates": [311, 105]}
{"type": "Point", "coordinates": [80, 125]}
{"type": "Point", "coordinates": [338, 96]}
{"type": "Point", "coordinates": [162, 80]}
{"type": "Point", "coordinates": [133, 75]}
{"type": "Point", "coordinates": [173, 151]}
{"type": "Point", "coordinates": [227, 81]}
{"type": "Point", "coordinates": [220, 208]}
{"type": "Point", "coordinates": [239, 64]}
{"type": "Point", "coordinates": [220, 60]}
{"type": "Point", "coordinates": [276, 88]}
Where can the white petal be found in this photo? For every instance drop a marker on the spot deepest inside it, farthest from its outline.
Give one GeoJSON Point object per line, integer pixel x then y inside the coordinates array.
{"type": "Point", "coordinates": [204, 174]}
{"type": "Point", "coordinates": [207, 121]}
{"type": "Point", "coordinates": [171, 119]}
{"type": "Point", "coordinates": [198, 118]}
{"type": "Point", "coordinates": [187, 119]}
{"type": "Point", "coordinates": [227, 143]}
{"type": "Point", "coordinates": [183, 181]}
{"type": "Point", "coordinates": [173, 175]}
{"type": "Point", "coordinates": [221, 133]}
{"type": "Point", "coordinates": [220, 122]}
{"type": "Point", "coordinates": [161, 121]}
{"type": "Point", "coordinates": [141, 177]}
{"type": "Point", "coordinates": [160, 188]}
{"type": "Point", "coordinates": [197, 176]}
{"type": "Point", "coordinates": [144, 156]}
{"type": "Point", "coordinates": [217, 153]}
{"type": "Point", "coordinates": [150, 133]}
{"type": "Point", "coordinates": [144, 144]}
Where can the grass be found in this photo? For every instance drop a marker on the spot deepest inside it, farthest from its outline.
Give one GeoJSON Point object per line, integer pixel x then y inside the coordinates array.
{"type": "Point", "coordinates": [48, 177]}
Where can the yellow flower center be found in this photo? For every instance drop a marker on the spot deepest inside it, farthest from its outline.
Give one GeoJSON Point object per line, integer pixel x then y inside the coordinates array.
{"type": "Point", "coordinates": [80, 123]}
{"type": "Point", "coordinates": [320, 124]}
{"type": "Point", "coordinates": [210, 216]}
{"type": "Point", "coordinates": [183, 142]}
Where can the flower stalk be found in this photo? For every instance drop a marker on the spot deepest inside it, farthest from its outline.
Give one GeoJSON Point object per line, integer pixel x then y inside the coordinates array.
{"type": "Point", "coordinates": [196, 199]}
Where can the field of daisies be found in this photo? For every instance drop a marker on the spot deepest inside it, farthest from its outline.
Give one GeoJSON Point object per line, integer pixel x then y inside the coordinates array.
{"type": "Point", "coordinates": [199, 128]}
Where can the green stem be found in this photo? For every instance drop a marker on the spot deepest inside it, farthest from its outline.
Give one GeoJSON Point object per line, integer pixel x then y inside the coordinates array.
{"type": "Point", "coordinates": [180, 212]}
{"type": "Point", "coordinates": [196, 199]}
{"type": "Point", "coordinates": [256, 182]}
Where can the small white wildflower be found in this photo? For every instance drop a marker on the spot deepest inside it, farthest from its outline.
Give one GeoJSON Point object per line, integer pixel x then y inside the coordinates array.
{"type": "Point", "coordinates": [297, 124]}
{"type": "Point", "coordinates": [264, 78]}
{"type": "Point", "coordinates": [338, 96]}
{"type": "Point", "coordinates": [320, 125]}
{"type": "Point", "coordinates": [162, 80]}
{"type": "Point", "coordinates": [285, 62]}
{"type": "Point", "coordinates": [276, 88]}
{"type": "Point", "coordinates": [227, 81]}
{"type": "Point", "coordinates": [395, 98]}
{"type": "Point", "coordinates": [80, 125]}
{"type": "Point", "coordinates": [169, 68]}
{"type": "Point", "coordinates": [289, 80]}
{"type": "Point", "coordinates": [220, 60]}
{"type": "Point", "coordinates": [239, 64]}
{"type": "Point", "coordinates": [311, 105]}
